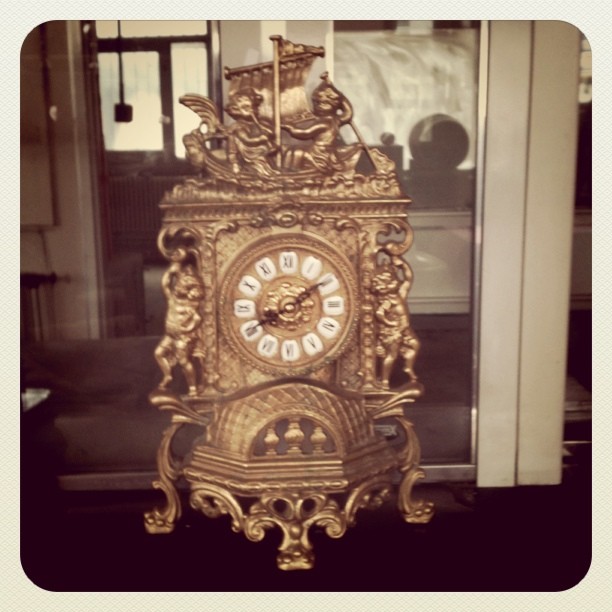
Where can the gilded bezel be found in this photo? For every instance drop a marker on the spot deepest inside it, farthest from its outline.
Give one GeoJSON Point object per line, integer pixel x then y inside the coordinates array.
{"type": "Point", "coordinates": [246, 259]}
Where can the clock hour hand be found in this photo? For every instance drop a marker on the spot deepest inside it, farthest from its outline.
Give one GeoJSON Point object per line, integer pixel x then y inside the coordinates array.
{"type": "Point", "coordinates": [268, 318]}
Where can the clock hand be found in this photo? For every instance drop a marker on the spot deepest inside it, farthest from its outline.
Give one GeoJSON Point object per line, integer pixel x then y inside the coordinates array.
{"type": "Point", "coordinates": [268, 318]}
{"type": "Point", "coordinates": [306, 294]}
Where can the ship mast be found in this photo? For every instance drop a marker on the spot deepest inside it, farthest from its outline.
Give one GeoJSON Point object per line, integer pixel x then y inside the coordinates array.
{"type": "Point", "coordinates": [276, 96]}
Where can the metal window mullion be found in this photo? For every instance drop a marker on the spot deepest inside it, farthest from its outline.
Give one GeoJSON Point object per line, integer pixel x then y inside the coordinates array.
{"type": "Point", "coordinates": [165, 86]}
{"type": "Point", "coordinates": [132, 45]}
{"type": "Point", "coordinates": [213, 57]}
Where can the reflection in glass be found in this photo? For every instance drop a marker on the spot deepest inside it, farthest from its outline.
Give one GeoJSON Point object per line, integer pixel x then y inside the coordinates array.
{"type": "Point", "coordinates": [189, 74]}
{"type": "Point", "coordinates": [416, 94]}
{"type": "Point", "coordinates": [414, 89]}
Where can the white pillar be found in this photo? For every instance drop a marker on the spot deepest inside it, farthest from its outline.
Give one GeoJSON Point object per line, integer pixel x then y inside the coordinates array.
{"type": "Point", "coordinates": [551, 176]}
{"type": "Point", "coordinates": [529, 172]}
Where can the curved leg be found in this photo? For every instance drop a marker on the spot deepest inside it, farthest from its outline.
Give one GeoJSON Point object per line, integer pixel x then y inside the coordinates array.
{"type": "Point", "coordinates": [213, 501]}
{"type": "Point", "coordinates": [370, 494]}
{"type": "Point", "coordinates": [413, 511]}
{"type": "Point", "coordinates": [162, 520]}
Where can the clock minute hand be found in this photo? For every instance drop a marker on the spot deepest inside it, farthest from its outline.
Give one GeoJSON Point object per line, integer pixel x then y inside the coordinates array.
{"type": "Point", "coordinates": [306, 294]}
{"type": "Point", "coordinates": [301, 297]}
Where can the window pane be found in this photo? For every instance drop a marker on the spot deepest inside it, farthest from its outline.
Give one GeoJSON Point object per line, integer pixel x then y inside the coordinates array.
{"type": "Point", "coordinates": [106, 29]}
{"type": "Point", "coordinates": [414, 87]}
{"type": "Point", "coordinates": [417, 87]}
{"type": "Point", "coordinates": [142, 92]}
{"type": "Point", "coordinates": [189, 75]}
{"type": "Point", "coordinates": [136, 29]}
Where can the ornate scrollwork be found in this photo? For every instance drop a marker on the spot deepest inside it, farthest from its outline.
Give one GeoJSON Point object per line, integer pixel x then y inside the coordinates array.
{"type": "Point", "coordinates": [286, 216]}
{"type": "Point", "coordinates": [182, 412]}
{"type": "Point", "coordinates": [294, 514]}
{"type": "Point", "coordinates": [413, 511]}
{"type": "Point", "coordinates": [214, 501]}
{"type": "Point", "coordinates": [395, 229]}
{"type": "Point", "coordinates": [371, 494]}
{"type": "Point", "coordinates": [177, 242]}
{"type": "Point", "coordinates": [162, 520]}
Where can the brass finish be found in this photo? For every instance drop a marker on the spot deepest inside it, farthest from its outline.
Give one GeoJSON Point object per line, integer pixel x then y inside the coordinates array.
{"type": "Point", "coordinates": [395, 335]}
{"type": "Point", "coordinates": [184, 291]}
{"type": "Point", "coordinates": [286, 292]}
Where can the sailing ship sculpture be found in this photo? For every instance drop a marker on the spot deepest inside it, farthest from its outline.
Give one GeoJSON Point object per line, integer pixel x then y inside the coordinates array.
{"type": "Point", "coordinates": [277, 141]}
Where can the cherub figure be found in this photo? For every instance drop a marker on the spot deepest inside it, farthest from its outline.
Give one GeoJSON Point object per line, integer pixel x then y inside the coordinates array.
{"type": "Point", "coordinates": [184, 292]}
{"type": "Point", "coordinates": [250, 140]}
{"type": "Point", "coordinates": [332, 110]}
{"type": "Point", "coordinates": [395, 335]}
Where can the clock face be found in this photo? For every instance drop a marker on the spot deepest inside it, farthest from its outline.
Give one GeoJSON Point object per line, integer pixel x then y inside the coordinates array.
{"type": "Point", "coordinates": [288, 303]}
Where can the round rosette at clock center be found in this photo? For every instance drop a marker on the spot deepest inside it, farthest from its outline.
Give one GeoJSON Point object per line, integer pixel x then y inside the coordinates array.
{"type": "Point", "coordinates": [289, 306]}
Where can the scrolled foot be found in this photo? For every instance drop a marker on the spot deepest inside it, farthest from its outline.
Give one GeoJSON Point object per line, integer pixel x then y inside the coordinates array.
{"type": "Point", "coordinates": [413, 510]}
{"type": "Point", "coordinates": [296, 556]}
{"type": "Point", "coordinates": [157, 523]}
{"type": "Point", "coordinates": [419, 513]}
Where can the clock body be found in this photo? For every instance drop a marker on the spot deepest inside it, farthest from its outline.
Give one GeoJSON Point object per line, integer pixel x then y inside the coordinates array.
{"type": "Point", "coordinates": [287, 288]}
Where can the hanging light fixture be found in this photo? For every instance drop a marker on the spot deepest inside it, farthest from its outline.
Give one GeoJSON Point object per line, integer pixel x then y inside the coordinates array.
{"type": "Point", "coordinates": [123, 111]}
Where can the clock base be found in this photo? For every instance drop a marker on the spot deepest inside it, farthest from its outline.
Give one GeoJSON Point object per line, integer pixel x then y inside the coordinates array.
{"type": "Point", "coordinates": [291, 455]}
{"type": "Point", "coordinates": [294, 513]}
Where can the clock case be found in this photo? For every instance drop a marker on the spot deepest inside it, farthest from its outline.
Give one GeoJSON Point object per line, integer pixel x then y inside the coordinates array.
{"type": "Point", "coordinates": [287, 448]}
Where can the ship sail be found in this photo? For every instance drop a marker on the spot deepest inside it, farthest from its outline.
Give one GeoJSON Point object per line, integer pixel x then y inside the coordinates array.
{"type": "Point", "coordinates": [294, 63]}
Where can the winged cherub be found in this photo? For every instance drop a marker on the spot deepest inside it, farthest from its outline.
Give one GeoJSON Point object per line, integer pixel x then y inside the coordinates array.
{"type": "Point", "coordinates": [250, 139]}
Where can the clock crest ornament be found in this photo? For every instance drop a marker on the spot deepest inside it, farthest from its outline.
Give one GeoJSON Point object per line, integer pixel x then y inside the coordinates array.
{"type": "Point", "coordinates": [286, 313]}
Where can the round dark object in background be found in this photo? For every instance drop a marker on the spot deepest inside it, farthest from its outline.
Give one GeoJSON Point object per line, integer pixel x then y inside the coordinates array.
{"type": "Point", "coordinates": [438, 141]}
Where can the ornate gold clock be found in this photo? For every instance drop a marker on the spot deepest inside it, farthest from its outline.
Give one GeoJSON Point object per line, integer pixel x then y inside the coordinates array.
{"type": "Point", "coordinates": [287, 312]}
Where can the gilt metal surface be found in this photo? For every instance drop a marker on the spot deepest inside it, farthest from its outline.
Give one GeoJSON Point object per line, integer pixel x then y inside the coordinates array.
{"type": "Point", "coordinates": [286, 314]}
